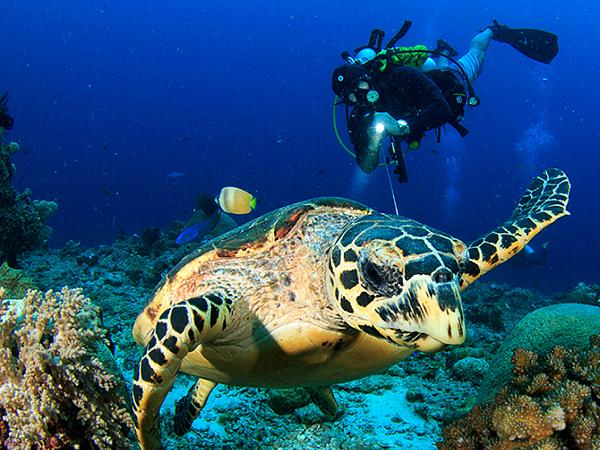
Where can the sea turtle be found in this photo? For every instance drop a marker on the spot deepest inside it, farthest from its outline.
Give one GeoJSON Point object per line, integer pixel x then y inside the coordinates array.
{"type": "Point", "coordinates": [316, 293]}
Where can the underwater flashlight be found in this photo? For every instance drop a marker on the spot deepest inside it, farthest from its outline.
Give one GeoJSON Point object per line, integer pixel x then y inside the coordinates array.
{"type": "Point", "coordinates": [379, 127]}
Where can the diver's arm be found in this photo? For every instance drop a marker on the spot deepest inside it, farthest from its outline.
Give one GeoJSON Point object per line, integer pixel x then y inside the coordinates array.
{"type": "Point", "coordinates": [390, 125]}
{"type": "Point", "coordinates": [434, 111]}
{"type": "Point", "coordinates": [365, 138]}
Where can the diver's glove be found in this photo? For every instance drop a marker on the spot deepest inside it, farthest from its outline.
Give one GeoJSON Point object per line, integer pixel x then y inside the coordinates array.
{"type": "Point", "coordinates": [385, 122]}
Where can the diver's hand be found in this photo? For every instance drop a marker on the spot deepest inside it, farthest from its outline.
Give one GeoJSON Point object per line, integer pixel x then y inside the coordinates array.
{"type": "Point", "coordinates": [403, 128]}
{"type": "Point", "coordinates": [391, 125]}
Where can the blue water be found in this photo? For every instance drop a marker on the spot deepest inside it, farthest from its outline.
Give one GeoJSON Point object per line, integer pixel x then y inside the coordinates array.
{"type": "Point", "coordinates": [110, 97]}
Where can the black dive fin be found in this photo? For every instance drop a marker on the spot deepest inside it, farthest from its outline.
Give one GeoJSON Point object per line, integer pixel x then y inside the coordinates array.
{"type": "Point", "coordinates": [536, 44]}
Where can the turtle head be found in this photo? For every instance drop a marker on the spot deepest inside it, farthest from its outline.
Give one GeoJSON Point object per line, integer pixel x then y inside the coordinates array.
{"type": "Point", "coordinates": [398, 280]}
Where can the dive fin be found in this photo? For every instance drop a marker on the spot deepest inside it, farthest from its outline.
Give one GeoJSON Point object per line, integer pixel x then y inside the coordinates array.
{"type": "Point", "coordinates": [536, 44]}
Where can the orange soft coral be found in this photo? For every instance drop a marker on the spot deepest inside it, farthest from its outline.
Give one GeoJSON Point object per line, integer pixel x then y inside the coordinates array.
{"type": "Point", "coordinates": [551, 403]}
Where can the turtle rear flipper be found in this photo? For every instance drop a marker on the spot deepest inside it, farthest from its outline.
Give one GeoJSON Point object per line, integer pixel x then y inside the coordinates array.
{"type": "Point", "coordinates": [544, 202]}
{"type": "Point", "coordinates": [188, 407]}
{"type": "Point", "coordinates": [322, 396]}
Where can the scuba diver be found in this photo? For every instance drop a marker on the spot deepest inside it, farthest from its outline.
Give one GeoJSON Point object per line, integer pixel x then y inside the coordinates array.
{"type": "Point", "coordinates": [403, 92]}
{"type": "Point", "coordinates": [6, 121]}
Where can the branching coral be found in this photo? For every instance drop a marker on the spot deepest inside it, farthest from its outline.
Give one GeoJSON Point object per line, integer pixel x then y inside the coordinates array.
{"type": "Point", "coordinates": [58, 385]}
{"type": "Point", "coordinates": [552, 402]}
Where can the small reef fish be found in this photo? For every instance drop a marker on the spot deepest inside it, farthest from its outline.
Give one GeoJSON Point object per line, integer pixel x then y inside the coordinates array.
{"type": "Point", "coordinates": [234, 200]}
{"type": "Point", "coordinates": [208, 212]}
{"type": "Point", "coordinates": [199, 229]}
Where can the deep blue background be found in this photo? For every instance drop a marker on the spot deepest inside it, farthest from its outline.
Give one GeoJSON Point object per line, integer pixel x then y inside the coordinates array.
{"type": "Point", "coordinates": [110, 97]}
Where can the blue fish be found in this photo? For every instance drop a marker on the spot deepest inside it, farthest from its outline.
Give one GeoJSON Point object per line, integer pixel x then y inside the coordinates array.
{"type": "Point", "coordinates": [199, 229]}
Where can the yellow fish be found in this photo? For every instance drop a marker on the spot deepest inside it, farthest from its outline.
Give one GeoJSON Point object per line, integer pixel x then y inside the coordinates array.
{"type": "Point", "coordinates": [234, 200]}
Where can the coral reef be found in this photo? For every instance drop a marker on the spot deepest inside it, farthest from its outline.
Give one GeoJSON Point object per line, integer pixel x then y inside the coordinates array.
{"type": "Point", "coordinates": [15, 282]}
{"type": "Point", "coordinates": [588, 294]}
{"type": "Point", "coordinates": [552, 402]}
{"type": "Point", "coordinates": [286, 401]}
{"type": "Point", "coordinates": [59, 387]}
{"type": "Point", "coordinates": [568, 325]}
{"type": "Point", "coordinates": [470, 369]}
{"type": "Point", "coordinates": [21, 219]}
{"type": "Point", "coordinates": [488, 315]}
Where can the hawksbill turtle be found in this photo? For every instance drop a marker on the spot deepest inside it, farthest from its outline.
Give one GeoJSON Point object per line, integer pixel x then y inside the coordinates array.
{"type": "Point", "coordinates": [316, 293]}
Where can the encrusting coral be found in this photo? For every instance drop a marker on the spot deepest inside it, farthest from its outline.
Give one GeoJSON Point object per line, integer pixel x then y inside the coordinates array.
{"type": "Point", "coordinates": [59, 387]}
{"type": "Point", "coordinates": [552, 402]}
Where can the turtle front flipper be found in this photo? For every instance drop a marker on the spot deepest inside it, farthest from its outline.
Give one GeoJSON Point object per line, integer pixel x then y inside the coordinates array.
{"type": "Point", "coordinates": [189, 407]}
{"type": "Point", "coordinates": [544, 202]}
{"type": "Point", "coordinates": [178, 331]}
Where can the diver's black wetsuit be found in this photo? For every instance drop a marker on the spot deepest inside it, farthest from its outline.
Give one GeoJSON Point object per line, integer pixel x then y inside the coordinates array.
{"type": "Point", "coordinates": [407, 93]}
{"type": "Point", "coordinates": [404, 93]}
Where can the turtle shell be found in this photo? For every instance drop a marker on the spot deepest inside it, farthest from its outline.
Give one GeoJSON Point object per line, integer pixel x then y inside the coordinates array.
{"type": "Point", "coordinates": [264, 230]}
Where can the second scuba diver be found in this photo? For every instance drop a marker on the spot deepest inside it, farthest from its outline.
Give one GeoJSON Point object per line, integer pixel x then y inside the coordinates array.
{"type": "Point", "coordinates": [403, 92]}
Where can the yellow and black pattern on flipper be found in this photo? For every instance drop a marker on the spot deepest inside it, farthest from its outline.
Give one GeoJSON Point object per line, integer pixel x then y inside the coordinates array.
{"type": "Point", "coordinates": [179, 330]}
{"type": "Point", "coordinates": [544, 202]}
{"type": "Point", "coordinates": [188, 407]}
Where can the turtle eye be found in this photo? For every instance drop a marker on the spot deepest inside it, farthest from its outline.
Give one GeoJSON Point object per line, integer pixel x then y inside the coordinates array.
{"type": "Point", "coordinates": [382, 280]}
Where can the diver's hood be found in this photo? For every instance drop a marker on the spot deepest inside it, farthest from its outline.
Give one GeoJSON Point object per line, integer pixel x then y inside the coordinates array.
{"type": "Point", "coordinates": [345, 78]}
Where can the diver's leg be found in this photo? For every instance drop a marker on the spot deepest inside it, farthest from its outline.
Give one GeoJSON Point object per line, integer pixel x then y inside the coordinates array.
{"type": "Point", "coordinates": [367, 158]}
{"type": "Point", "coordinates": [473, 61]}
{"type": "Point", "coordinates": [439, 59]}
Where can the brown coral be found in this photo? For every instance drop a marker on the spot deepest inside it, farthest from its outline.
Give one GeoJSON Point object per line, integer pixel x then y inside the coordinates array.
{"type": "Point", "coordinates": [55, 389]}
{"type": "Point", "coordinates": [520, 417]}
{"type": "Point", "coordinates": [551, 403]}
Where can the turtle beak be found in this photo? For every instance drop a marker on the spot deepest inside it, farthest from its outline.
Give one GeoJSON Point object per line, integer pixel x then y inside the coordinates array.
{"type": "Point", "coordinates": [428, 308]}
